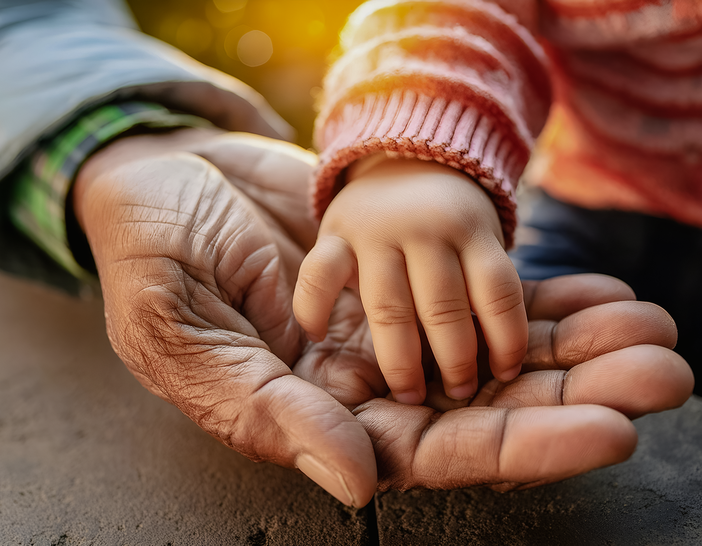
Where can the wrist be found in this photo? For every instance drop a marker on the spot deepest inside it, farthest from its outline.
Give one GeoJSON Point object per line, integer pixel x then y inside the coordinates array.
{"type": "Point", "coordinates": [42, 201]}
{"type": "Point", "coordinates": [404, 194]}
{"type": "Point", "coordinates": [362, 166]}
{"type": "Point", "coordinates": [380, 167]}
{"type": "Point", "coordinates": [380, 161]}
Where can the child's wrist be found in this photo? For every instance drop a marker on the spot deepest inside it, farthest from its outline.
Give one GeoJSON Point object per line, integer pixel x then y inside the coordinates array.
{"type": "Point", "coordinates": [366, 164]}
{"type": "Point", "coordinates": [361, 166]}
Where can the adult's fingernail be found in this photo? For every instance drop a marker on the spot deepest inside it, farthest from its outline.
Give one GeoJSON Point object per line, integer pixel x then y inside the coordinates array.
{"type": "Point", "coordinates": [329, 480]}
{"type": "Point", "coordinates": [510, 374]}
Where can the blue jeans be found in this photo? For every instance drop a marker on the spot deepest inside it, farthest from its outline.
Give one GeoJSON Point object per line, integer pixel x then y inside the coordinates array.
{"type": "Point", "coordinates": [659, 258]}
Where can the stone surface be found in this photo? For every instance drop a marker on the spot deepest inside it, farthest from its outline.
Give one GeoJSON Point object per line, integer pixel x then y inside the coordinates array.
{"type": "Point", "coordinates": [87, 456]}
{"type": "Point", "coordinates": [655, 498]}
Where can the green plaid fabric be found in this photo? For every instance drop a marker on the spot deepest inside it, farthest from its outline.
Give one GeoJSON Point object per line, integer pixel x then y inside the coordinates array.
{"type": "Point", "coordinates": [38, 203]}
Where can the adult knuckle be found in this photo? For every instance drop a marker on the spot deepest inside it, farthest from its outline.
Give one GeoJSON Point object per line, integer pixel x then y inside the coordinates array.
{"type": "Point", "coordinates": [568, 352]}
{"type": "Point", "coordinates": [502, 462]}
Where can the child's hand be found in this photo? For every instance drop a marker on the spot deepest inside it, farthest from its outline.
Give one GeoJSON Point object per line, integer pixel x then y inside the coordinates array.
{"type": "Point", "coordinates": [418, 239]}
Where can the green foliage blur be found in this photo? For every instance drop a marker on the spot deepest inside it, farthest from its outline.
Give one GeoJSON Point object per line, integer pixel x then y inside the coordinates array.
{"type": "Point", "coordinates": [280, 47]}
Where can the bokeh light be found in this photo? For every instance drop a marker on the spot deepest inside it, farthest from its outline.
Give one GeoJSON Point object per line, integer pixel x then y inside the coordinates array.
{"type": "Point", "coordinates": [279, 47]}
{"type": "Point", "coordinates": [255, 48]}
{"type": "Point", "coordinates": [223, 20]}
{"type": "Point", "coordinates": [231, 40]}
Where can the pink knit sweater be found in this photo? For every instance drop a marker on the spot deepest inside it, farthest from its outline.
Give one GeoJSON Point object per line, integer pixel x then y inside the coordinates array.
{"type": "Point", "coordinates": [470, 83]}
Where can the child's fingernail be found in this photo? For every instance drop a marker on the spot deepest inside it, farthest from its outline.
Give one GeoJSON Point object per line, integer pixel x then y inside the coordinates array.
{"type": "Point", "coordinates": [510, 374]}
{"type": "Point", "coordinates": [464, 391]}
{"type": "Point", "coordinates": [411, 398]}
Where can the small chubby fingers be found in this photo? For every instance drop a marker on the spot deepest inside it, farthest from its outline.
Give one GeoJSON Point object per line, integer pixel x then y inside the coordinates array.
{"type": "Point", "coordinates": [344, 364]}
{"type": "Point", "coordinates": [324, 272]}
{"type": "Point", "coordinates": [440, 296]}
{"type": "Point", "coordinates": [387, 301]}
{"type": "Point", "coordinates": [496, 297]}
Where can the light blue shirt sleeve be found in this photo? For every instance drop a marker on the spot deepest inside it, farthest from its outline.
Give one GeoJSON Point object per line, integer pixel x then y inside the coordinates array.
{"type": "Point", "coordinates": [61, 57]}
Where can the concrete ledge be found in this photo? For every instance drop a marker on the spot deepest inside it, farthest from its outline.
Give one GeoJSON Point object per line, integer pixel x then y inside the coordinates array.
{"type": "Point", "coordinates": [88, 456]}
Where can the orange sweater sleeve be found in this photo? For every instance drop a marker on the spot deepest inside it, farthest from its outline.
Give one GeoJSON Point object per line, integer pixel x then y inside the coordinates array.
{"type": "Point", "coordinates": [461, 82]}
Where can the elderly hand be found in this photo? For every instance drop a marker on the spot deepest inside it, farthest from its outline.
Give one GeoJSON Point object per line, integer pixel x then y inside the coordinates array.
{"type": "Point", "coordinates": [595, 358]}
{"type": "Point", "coordinates": [198, 236]}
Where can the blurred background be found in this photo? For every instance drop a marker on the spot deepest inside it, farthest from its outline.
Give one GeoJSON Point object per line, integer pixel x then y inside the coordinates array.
{"type": "Point", "coordinates": [280, 47]}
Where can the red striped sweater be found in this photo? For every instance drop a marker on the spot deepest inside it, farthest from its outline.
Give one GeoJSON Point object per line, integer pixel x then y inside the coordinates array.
{"type": "Point", "coordinates": [470, 83]}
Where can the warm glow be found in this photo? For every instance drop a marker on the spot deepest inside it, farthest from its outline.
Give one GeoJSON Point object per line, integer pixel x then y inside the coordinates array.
{"type": "Point", "coordinates": [194, 36]}
{"type": "Point", "coordinates": [316, 28]}
{"type": "Point", "coordinates": [255, 48]}
{"type": "Point", "coordinates": [280, 47]}
{"type": "Point", "coordinates": [226, 6]}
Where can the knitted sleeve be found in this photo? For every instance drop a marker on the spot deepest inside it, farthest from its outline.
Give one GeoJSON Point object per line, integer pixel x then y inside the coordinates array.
{"type": "Point", "coordinates": [461, 82]}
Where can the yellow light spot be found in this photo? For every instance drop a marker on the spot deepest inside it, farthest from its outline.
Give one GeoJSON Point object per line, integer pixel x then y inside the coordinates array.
{"type": "Point", "coordinates": [271, 9]}
{"type": "Point", "coordinates": [231, 41]}
{"type": "Point", "coordinates": [223, 20]}
{"type": "Point", "coordinates": [255, 48]}
{"type": "Point", "coordinates": [194, 36]}
{"type": "Point", "coordinates": [316, 28]}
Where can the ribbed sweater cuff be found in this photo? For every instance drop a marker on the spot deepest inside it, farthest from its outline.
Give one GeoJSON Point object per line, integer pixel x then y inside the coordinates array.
{"type": "Point", "coordinates": [406, 124]}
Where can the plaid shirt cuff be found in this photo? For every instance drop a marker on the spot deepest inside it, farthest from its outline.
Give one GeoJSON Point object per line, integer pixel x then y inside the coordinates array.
{"type": "Point", "coordinates": [38, 204]}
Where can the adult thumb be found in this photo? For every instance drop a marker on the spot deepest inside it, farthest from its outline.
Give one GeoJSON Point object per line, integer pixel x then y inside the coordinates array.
{"type": "Point", "coordinates": [267, 414]}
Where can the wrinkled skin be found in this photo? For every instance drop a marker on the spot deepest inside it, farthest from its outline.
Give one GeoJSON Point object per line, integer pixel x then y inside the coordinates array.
{"type": "Point", "coordinates": [198, 236]}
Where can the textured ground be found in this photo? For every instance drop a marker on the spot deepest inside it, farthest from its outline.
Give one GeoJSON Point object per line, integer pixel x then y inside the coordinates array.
{"type": "Point", "coordinates": [87, 456]}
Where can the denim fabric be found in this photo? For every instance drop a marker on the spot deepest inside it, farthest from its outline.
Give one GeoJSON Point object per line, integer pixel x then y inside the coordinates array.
{"type": "Point", "coordinates": [659, 258]}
